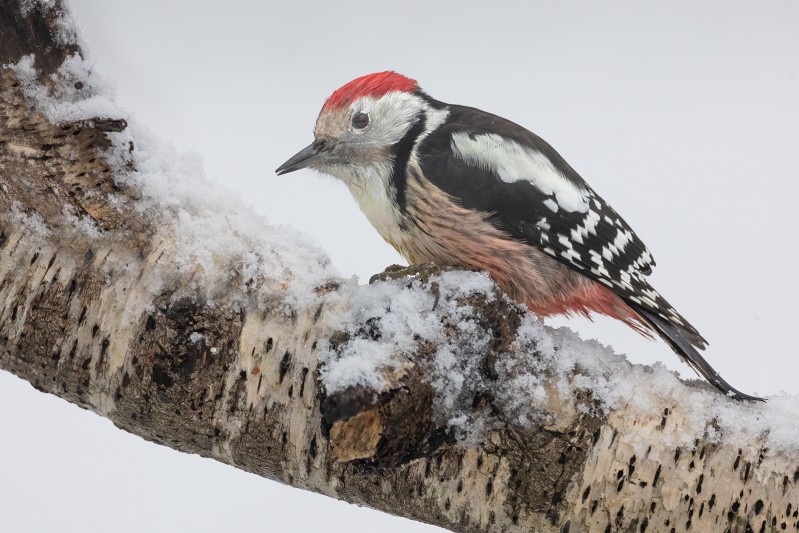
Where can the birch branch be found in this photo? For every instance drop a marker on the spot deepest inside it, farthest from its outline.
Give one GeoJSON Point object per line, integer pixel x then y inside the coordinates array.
{"type": "Point", "coordinates": [131, 288]}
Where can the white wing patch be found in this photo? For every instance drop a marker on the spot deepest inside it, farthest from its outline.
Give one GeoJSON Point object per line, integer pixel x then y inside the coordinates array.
{"type": "Point", "coordinates": [512, 162]}
{"type": "Point", "coordinates": [551, 204]}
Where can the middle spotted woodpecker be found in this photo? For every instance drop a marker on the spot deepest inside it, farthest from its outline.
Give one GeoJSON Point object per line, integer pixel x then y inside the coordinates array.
{"type": "Point", "coordinates": [454, 185]}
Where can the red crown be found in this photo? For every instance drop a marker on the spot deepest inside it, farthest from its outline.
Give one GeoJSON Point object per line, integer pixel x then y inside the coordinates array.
{"type": "Point", "coordinates": [375, 85]}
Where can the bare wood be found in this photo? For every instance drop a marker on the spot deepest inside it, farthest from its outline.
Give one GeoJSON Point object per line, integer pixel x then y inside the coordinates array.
{"type": "Point", "coordinates": [79, 319]}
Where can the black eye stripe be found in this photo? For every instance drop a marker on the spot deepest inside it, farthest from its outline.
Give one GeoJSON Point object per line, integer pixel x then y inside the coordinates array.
{"type": "Point", "coordinates": [360, 121]}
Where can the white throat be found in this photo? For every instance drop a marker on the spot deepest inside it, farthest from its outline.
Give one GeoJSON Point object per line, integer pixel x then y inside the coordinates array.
{"type": "Point", "coordinates": [371, 188]}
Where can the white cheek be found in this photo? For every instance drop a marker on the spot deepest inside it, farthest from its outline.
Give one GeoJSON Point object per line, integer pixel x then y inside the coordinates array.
{"type": "Point", "coordinates": [390, 117]}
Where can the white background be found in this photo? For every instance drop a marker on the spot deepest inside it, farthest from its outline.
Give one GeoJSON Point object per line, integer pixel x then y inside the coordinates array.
{"type": "Point", "coordinates": [684, 117]}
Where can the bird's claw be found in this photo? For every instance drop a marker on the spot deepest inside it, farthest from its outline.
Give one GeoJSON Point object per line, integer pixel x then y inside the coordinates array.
{"type": "Point", "coordinates": [422, 272]}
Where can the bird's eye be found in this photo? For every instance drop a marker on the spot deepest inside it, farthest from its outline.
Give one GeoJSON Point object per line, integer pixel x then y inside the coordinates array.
{"type": "Point", "coordinates": [360, 121]}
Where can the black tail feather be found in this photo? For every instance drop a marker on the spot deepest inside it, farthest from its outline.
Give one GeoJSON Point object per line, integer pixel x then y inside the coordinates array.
{"type": "Point", "coordinates": [679, 342]}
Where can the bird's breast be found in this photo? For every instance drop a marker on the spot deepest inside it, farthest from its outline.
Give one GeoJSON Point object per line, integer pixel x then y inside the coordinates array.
{"type": "Point", "coordinates": [377, 201]}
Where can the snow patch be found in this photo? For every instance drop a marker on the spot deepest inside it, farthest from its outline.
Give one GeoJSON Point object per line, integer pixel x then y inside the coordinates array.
{"type": "Point", "coordinates": [33, 222]}
{"type": "Point", "coordinates": [66, 27]}
{"type": "Point", "coordinates": [27, 5]}
{"type": "Point", "coordinates": [401, 315]}
{"type": "Point", "coordinates": [76, 93]}
{"type": "Point", "coordinates": [541, 352]}
{"type": "Point", "coordinates": [83, 224]}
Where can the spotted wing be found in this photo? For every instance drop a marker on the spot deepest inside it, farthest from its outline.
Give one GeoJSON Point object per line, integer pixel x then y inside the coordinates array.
{"type": "Point", "coordinates": [527, 189]}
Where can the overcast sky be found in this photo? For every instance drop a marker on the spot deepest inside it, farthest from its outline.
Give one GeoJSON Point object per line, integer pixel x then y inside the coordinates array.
{"type": "Point", "coordinates": [684, 116]}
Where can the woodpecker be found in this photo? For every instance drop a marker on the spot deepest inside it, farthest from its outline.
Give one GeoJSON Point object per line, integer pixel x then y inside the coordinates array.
{"type": "Point", "coordinates": [454, 185]}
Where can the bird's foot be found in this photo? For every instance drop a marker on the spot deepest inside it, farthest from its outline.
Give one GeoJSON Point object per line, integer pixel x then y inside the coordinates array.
{"type": "Point", "coordinates": [422, 272]}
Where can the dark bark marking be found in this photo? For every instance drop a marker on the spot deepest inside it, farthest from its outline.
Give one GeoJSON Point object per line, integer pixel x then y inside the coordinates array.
{"type": "Point", "coordinates": [283, 368]}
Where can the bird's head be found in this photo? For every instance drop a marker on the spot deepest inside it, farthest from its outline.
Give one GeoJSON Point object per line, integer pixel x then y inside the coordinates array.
{"type": "Point", "coordinates": [360, 124]}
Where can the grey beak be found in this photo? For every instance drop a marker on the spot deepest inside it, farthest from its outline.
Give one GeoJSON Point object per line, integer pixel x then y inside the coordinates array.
{"type": "Point", "coordinates": [304, 158]}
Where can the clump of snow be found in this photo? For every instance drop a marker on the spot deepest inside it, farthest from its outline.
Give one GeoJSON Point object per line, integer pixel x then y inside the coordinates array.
{"type": "Point", "coordinates": [399, 316]}
{"type": "Point", "coordinates": [397, 313]}
{"type": "Point", "coordinates": [362, 363]}
{"type": "Point", "coordinates": [196, 337]}
{"type": "Point", "coordinates": [66, 27]}
{"type": "Point", "coordinates": [76, 93]}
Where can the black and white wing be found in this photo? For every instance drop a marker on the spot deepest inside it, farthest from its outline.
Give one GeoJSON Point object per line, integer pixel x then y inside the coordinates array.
{"type": "Point", "coordinates": [493, 165]}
